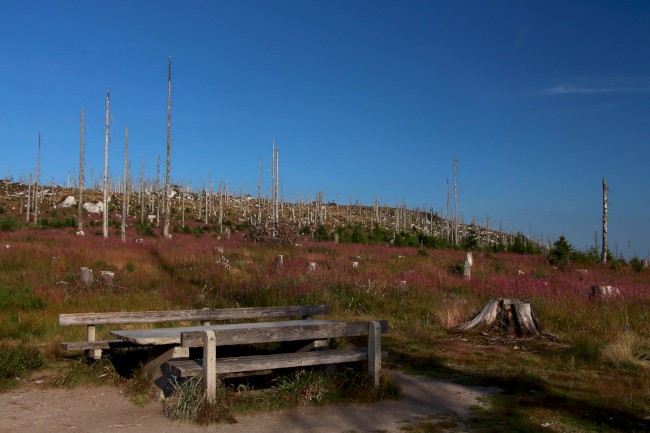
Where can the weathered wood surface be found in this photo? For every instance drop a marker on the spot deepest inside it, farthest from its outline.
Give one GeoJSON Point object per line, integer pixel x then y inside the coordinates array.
{"type": "Point", "coordinates": [118, 318]}
{"type": "Point", "coordinates": [281, 331]}
{"type": "Point", "coordinates": [99, 344]}
{"type": "Point", "coordinates": [514, 315]}
{"type": "Point", "coordinates": [172, 335]}
{"type": "Point", "coordinates": [194, 368]}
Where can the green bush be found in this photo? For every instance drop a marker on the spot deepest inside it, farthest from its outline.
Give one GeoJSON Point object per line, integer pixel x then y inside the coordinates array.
{"type": "Point", "coordinates": [561, 252]}
{"type": "Point", "coordinates": [145, 229]}
{"type": "Point", "coordinates": [636, 264]}
{"type": "Point", "coordinates": [9, 223]}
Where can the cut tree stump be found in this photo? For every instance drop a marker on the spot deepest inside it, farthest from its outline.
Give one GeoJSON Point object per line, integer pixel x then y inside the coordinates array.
{"type": "Point", "coordinates": [508, 315]}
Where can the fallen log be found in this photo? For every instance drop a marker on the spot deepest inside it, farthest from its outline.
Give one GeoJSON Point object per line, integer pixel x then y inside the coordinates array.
{"type": "Point", "coordinates": [505, 315]}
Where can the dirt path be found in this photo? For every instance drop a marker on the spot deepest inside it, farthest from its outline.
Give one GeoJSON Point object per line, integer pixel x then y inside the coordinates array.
{"type": "Point", "coordinates": [105, 409]}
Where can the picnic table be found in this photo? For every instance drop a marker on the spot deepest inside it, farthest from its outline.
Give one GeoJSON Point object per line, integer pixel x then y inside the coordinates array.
{"type": "Point", "coordinates": [172, 345]}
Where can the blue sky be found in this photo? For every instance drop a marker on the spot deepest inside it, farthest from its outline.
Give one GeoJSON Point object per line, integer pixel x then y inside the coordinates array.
{"type": "Point", "coordinates": [537, 100]}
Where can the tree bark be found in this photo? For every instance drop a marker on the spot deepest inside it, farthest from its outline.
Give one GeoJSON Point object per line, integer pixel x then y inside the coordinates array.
{"type": "Point", "coordinates": [105, 213]}
{"type": "Point", "coordinates": [80, 224]}
{"type": "Point", "coordinates": [169, 145]}
{"type": "Point", "coordinates": [508, 315]}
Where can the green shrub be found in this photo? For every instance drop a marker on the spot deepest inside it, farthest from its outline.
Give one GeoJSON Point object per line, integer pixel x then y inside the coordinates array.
{"type": "Point", "coordinates": [9, 223]}
{"type": "Point", "coordinates": [636, 264]}
{"type": "Point", "coordinates": [561, 252]}
{"type": "Point", "coordinates": [145, 229]}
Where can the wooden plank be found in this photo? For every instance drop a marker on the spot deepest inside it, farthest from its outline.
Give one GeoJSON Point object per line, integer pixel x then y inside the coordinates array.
{"type": "Point", "coordinates": [194, 368]}
{"type": "Point", "coordinates": [185, 367]}
{"type": "Point", "coordinates": [374, 352]}
{"type": "Point", "coordinates": [93, 354]}
{"type": "Point", "coordinates": [87, 345]}
{"type": "Point", "coordinates": [117, 318]}
{"type": "Point", "coordinates": [172, 335]}
{"type": "Point", "coordinates": [209, 363]}
{"type": "Point", "coordinates": [288, 332]}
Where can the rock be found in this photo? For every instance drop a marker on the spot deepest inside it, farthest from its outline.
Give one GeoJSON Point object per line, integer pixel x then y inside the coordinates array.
{"type": "Point", "coordinates": [80, 233]}
{"type": "Point", "coordinates": [311, 266]}
{"type": "Point", "coordinates": [69, 201]}
{"type": "Point", "coordinates": [139, 241]}
{"type": "Point", "coordinates": [94, 207]}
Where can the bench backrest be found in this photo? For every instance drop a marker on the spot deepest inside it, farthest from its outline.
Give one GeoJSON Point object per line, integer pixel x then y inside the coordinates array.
{"type": "Point", "coordinates": [118, 318]}
{"type": "Point", "coordinates": [228, 337]}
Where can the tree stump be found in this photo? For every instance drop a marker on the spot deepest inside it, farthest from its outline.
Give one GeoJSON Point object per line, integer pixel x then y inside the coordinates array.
{"type": "Point", "coordinates": [508, 315]}
{"type": "Point", "coordinates": [86, 276]}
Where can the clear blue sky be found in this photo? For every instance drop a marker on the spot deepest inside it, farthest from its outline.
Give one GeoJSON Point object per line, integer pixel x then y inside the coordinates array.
{"type": "Point", "coordinates": [538, 100]}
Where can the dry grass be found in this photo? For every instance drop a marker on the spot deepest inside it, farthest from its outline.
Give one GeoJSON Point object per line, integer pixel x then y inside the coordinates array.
{"type": "Point", "coordinates": [623, 351]}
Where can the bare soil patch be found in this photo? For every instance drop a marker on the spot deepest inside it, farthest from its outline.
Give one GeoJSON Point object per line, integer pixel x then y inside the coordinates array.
{"type": "Point", "coordinates": [36, 408]}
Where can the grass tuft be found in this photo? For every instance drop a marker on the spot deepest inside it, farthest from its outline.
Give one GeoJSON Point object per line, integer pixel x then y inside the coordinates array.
{"type": "Point", "coordinates": [16, 361]}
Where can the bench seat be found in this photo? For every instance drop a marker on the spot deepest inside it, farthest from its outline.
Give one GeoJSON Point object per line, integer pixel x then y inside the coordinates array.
{"type": "Point", "coordinates": [97, 344]}
{"type": "Point", "coordinates": [185, 368]}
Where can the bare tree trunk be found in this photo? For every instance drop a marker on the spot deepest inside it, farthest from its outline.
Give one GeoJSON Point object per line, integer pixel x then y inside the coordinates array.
{"type": "Point", "coordinates": [603, 256]}
{"type": "Point", "coordinates": [108, 111]}
{"type": "Point", "coordinates": [259, 196]}
{"type": "Point", "coordinates": [169, 145]}
{"type": "Point", "coordinates": [125, 195]}
{"type": "Point", "coordinates": [29, 198]}
{"type": "Point", "coordinates": [80, 224]}
{"type": "Point", "coordinates": [37, 180]}
{"type": "Point", "coordinates": [140, 196]}
{"type": "Point", "coordinates": [455, 202]}
{"type": "Point", "coordinates": [447, 216]}
{"type": "Point", "coordinates": [158, 192]}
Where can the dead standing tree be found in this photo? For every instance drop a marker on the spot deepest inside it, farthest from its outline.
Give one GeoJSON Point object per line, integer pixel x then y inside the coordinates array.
{"type": "Point", "coordinates": [169, 145]}
{"type": "Point", "coordinates": [105, 186]}
{"type": "Point", "coordinates": [37, 180]}
{"type": "Point", "coordinates": [603, 256]}
{"type": "Point", "coordinates": [125, 195]}
{"type": "Point", "coordinates": [80, 224]}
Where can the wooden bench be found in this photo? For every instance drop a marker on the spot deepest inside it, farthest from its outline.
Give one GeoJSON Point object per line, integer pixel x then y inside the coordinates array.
{"type": "Point", "coordinates": [94, 347]}
{"type": "Point", "coordinates": [210, 366]}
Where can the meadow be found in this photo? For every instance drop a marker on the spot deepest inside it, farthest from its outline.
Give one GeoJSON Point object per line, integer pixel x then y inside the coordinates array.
{"type": "Point", "coordinates": [591, 373]}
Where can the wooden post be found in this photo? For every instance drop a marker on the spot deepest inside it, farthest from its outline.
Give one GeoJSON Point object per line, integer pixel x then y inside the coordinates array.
{"type": "Point", "coordinates": [374, 352]}
{"type": "Point", "coordinates": [210, 365]}
{"type": "Point", "coordinates": [93, 354]}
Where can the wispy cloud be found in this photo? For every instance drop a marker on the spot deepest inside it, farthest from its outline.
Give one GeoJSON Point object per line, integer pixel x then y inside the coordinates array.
{"type": "Point", "coordinates": [601, 86]}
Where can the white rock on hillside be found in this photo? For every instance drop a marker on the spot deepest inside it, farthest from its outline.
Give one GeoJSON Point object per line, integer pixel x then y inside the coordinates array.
{"type": "Point", "coordinates": [69, 201]}
{"type": "Point", "coordinates": [94, 207]}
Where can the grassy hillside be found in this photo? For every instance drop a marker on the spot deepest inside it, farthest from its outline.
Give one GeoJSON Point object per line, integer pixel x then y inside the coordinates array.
{"type": "Point", "coordinates": [594, 376]}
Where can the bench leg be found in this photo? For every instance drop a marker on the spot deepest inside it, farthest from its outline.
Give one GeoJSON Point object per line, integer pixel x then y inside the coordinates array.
{"type": "Point", "coordinates": [94, 354]}
{"type": "Point", "coordinates": [374, 352]}
{"type": "Point", "coordinates": [210, 365]}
